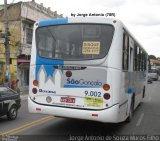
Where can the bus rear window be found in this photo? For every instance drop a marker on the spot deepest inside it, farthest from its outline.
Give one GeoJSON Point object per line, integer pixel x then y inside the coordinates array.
{"type": "Point", "coordinates": [74, 41]}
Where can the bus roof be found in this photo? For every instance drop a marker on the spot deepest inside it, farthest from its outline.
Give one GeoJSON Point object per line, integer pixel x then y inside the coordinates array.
{"type": "Point", "coordinates": [75, 20]}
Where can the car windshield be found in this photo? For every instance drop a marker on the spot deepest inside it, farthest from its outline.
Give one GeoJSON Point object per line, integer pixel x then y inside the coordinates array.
{"type": "Point", "coordinates": [4, 90]}
{"type": "Point", "coordinates": [74, 41]}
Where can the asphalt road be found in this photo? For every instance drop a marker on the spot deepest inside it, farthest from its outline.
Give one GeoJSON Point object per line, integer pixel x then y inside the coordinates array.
{"type": "Point", "coordinates": [146, 122]}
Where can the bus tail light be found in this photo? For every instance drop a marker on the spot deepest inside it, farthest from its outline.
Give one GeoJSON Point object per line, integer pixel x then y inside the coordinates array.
{"type": "Point", "coordinates": [106, 96]}
{"type": "Point", "coordinates": [68, 73]}
{"type": "Point", "coordinates": [106, 87]}
{"type": "Point", "coordinates": [34, 90]}
{"type": "Point", "coordinates": [35, 83]}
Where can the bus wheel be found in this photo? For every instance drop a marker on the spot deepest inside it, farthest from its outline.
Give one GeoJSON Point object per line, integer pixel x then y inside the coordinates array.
{"type": "Point", "coordinates": [130, 112]}
{"type": "Point", "coordinates": [144, 91]}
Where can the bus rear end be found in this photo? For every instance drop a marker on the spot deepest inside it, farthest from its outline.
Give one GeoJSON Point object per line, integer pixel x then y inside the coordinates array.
{"type": "Point", "coordinates": [68, 72]}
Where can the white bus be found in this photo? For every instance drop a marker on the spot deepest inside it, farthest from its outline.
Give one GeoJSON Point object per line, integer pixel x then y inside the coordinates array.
{"type": "Point", "coordinates": [86, 68]}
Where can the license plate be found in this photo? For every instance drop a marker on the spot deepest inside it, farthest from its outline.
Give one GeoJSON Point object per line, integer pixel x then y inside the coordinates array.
{"type": "Point", "coordinates": [67, 100]}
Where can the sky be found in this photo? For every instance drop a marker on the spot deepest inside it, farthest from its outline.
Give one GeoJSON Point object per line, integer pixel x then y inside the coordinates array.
{"type": "Point", "coordinates": [141, 17]}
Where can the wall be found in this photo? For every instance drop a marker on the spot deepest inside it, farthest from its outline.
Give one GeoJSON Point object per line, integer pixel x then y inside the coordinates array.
{"type": "Point", "coordinates": [14, 28]}
{"type": "Point", "coordinates": [14, 12]}
{"type": "Point", "coordinates": [31, 11]}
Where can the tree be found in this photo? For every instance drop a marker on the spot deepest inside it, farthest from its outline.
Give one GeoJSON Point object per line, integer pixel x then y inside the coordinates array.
{"type": "Point", "coordinates": [152, 57]}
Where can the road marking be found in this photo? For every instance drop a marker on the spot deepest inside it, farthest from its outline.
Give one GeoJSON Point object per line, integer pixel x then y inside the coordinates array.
{"type": "Point", "coordinates": [27, 126]}
{"type": "Point", "coordinates": [140, 119]}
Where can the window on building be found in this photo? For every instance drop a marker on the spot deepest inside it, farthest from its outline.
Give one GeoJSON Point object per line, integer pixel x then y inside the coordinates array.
{"type": "Point", "coordinates": [29, 33]}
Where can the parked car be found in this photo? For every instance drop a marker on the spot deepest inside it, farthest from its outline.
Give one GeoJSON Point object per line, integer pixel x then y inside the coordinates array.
{"type": "Point", "coordinates": [10, 102]}
{"type": "Point", "coordinates": [149, 80]}
{"type": "Point", "coordinates": [153, 74]}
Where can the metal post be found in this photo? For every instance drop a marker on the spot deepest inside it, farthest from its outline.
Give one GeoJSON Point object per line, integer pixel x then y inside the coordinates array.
{"type": "Point", "coordinates": [7, 50]}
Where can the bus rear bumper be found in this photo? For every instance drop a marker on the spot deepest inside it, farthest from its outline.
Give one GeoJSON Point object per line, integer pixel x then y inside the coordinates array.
{"type": "Point", "coordinates": [109, 115]}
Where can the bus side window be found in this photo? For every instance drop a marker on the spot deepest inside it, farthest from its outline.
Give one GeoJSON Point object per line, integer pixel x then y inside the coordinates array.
{"type": "Point", "coordinates": [145, 62]}
{"type": "Point", "coordinates": [135, 58]}
{"type": "Point", "coordinates": [139, 56]}
{"type": "Point", "coordinates": [125, 52]}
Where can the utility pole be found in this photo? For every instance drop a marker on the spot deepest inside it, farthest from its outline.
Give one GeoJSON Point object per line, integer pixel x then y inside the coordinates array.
{"type": "Point", "coordinates": [7, 49]}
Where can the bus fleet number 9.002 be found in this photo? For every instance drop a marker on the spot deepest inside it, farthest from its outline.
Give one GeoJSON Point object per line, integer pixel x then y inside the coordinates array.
{"type": "Point", "coordinates": [93, 93]}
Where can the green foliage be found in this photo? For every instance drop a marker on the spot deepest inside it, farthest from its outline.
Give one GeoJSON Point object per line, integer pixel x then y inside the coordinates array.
{"type": "Point", "coordinates": [152, 57]}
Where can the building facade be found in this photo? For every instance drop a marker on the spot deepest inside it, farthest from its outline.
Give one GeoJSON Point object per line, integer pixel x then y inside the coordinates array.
{"type": "Point", "coordinates": [21, 18]}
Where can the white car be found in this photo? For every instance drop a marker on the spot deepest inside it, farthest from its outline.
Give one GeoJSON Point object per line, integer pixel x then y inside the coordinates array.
{"type": "Point", "coordinates": [153, 74]}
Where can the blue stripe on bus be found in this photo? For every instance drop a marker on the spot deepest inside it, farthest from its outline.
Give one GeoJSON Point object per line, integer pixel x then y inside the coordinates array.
{"type": "Point", "coordinates": [131, 90]}
{"type": "Point", "coordinates": [75, 86]}
{"type": "Point", "coordinates": [53, 22]}
{"type": "Point", "coordinates": [48, 65]}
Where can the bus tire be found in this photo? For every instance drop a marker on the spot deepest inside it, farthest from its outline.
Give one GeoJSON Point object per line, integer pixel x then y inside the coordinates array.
{"type": "Point", "coordinates": [144, 90]}
{"type": "Point", "coordinates": [130, 116]}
